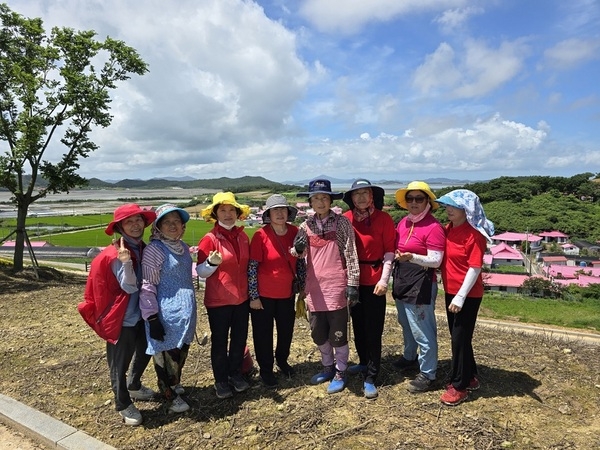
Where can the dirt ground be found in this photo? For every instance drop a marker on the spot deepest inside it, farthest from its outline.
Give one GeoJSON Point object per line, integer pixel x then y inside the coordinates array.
{"type": "Point", "coordinates": [537, 392]}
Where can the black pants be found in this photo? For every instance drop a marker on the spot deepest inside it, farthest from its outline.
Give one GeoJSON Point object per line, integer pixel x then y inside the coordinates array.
{"type": "Point", "coordinates": [462, 327]}
{"type": "Point", "coordinates": [282, 313]}
{"type": "Point", "coordinates": [368, 317]}
{"type": "Point", "coordinates": [229, 331]}
{"type": "Point", "coordinates": [130, 346]}
{"type": "Point", "coordinates": [168, 366]}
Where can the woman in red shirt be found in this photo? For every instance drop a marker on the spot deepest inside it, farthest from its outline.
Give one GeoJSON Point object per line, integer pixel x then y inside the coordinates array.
{"type": "Point", "coordinates": [271, 274]}
{"type": "Point", "coordinates": [466, 237]}
{"type": "Point", "coordinates": [375, 235]}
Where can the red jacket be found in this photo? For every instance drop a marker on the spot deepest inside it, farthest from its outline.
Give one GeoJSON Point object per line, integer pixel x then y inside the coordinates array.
{"type": "Point", "coordinates": [105, 303]}
{"type": "Point", "coordinates": [229, 284]}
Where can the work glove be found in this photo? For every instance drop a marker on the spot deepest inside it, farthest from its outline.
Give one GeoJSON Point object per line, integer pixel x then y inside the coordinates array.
{"type": "Point", "coordinates": [300, 308]}
{"type": "Point", "coordinates": [214, 258]}
{"type": "Point", "coordinates": [157, 332]}
{"type": "Point", "coordinates": [300, 243]}
{"type": "Point", "coordinates": [352, 295]}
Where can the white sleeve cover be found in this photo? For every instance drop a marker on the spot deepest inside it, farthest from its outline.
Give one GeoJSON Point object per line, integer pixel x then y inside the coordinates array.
{"type": "Point", "coordinates": [432, 259]}
{"type": "Point", "coordinates": [468, 283]}
{"type": "Point", "coordinates": [387, 269]}
{"type": "Point", "coordinates": [205, 270]}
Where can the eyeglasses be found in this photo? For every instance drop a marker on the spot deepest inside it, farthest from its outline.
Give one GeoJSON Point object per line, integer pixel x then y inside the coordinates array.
{"type": "Point", "coordinates": [419, 199]}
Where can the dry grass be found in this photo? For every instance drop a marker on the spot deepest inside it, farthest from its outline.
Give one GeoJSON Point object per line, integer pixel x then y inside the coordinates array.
{"type": "Point", "coordinates": [537, 392]}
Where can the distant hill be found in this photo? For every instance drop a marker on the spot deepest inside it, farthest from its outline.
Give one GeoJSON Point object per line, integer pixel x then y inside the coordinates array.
{"type": "Point", "coordinates": [348, 181]}
{"type": "Point", "coordinates": [225, 183]}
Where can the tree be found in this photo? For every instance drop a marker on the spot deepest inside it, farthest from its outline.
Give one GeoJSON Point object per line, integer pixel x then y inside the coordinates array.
{"type": "Point", "coordinates": [50, 89]}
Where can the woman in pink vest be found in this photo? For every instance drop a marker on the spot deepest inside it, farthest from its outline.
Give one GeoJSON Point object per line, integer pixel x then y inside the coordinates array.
{"type": "Point", "coordinates": [223, 255]}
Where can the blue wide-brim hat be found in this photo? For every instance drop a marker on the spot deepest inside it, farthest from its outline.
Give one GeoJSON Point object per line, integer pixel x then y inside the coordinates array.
{"type": "Point", "coordinates": [320, 186]}
{"type": "Point", "coordinates": [165, 209]}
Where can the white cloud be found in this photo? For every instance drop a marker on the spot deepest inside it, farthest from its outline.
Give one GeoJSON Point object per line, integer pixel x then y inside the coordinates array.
{"type": "Point", "coordinates": [352, 15]}
{"type": "Point", "coordinates": [568, 54]}
{"type": "Point", "coordinates": [476, 71]}
{"type": "Point", "coordinates": [454, 19]}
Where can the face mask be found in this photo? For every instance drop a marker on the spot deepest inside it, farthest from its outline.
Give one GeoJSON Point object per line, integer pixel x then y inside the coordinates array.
{"type": "Point", "coordinates": [227, 227]}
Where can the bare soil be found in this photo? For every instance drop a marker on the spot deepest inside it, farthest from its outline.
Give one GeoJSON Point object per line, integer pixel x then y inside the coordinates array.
{"type": "Point", "coordinates": [537, 392]}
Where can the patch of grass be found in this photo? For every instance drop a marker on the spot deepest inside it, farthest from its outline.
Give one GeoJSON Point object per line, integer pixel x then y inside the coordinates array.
{"type": "Point", "coordinates": [583, 315]}
{"type": "Point", "coordinates": [95, 237]}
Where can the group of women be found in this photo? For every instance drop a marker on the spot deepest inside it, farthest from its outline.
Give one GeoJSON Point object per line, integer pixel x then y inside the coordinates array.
{"type": "Point", "coordinates": [339, 266]}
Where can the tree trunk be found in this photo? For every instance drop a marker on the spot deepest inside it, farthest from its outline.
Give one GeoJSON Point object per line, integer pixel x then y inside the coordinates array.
{"type": "Point", "coordinates": [20, 239]}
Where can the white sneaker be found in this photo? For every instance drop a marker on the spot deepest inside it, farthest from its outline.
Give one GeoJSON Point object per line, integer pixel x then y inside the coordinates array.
{"type": "Point", "coordinates": [131, 415]}
{"type": "Point", "coordinates": [143, 393]}
{"type": "Point", "coordinates": [178, 405]}
{"type": "Point", "coordinates": [178, 389]}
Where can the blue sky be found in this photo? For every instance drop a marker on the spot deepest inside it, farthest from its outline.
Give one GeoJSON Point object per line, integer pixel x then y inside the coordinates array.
{"type": "Point", "coordinates": [383, 89]}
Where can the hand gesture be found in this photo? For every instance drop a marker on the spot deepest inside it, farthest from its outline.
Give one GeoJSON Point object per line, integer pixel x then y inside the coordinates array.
{"type": "Point", "coordinates": [300, 243]}
{"type": "Point", "coordinates": [214, 258]}
{"type": "Point", "coordinates": [122, 252]}
{"type": "Point", "coordinates": [352, 295]}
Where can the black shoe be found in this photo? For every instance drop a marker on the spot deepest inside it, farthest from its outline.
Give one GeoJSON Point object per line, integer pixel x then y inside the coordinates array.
{"type": "Point", "coordinates": [286, 370]}
{"type": "Point", "coordinates": [238, 383]}
{"type": "Point", "coordinates": [405, 364]}
{"type": "Point", "coordinates": [223, 390]}
{"type": "Point", "coordinates": [269, 380]}
{"type": "Point", "coordinates": [420, 384]}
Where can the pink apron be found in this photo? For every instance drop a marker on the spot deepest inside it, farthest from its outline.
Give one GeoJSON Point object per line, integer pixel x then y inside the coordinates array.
{"type": "Point", "coordinates": [326, 276]}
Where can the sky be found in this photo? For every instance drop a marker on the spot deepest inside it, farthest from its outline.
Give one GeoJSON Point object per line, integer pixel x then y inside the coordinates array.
{"type": "Point", "coordinates": [383, 89]}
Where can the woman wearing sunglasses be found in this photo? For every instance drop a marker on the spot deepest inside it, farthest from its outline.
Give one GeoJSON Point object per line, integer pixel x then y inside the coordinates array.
{"type": "Point", "coordinates": [420, 243]}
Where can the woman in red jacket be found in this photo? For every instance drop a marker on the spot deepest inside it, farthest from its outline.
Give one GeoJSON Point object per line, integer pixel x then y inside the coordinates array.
{"type": "Point", "coordinates": [111, 308]}
{"type": "Point", "coordinates": [223, 255]}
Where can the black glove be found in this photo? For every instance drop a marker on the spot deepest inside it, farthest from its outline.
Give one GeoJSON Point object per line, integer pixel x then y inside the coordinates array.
{"type": "Point", "coordinates": [157, 332]}
{"type": "Point", "coordinates": [352, 295]}
{"type": "Point", "coordinates": [300, 243]}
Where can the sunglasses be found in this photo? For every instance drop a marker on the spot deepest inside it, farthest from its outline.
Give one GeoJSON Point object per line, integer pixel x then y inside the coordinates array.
{"type": "Point", "coordinates": [419, 199]}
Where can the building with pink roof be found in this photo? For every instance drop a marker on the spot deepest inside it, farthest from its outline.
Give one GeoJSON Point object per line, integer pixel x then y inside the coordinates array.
{"type": "Point", "coordinates": [535, 242]}
{"type": "Point", "coordinates": [503, 282]}
{"type": "Point", "coordinates": [561, 271]}
{"type": "Point", "coordinates": [503, 254]}
{"type": "Point", "coordinates": [554, 236]}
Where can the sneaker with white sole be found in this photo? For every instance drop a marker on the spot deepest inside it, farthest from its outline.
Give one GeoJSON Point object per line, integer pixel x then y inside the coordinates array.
{"type": "Point", "coordinates": [131, 415]}
{"type": "Point", "coordinates": [178, 405]}
{"type": "Point", "coordinates": [178, 389]}
{"type": "Point", "coordinates": [143, 393]}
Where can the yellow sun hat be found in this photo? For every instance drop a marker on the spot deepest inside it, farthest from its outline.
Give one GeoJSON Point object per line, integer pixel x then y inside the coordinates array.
{"type": "Point", "coordinates": [416, 186]}
{"type": "Point", "coordinates": [224, 198]}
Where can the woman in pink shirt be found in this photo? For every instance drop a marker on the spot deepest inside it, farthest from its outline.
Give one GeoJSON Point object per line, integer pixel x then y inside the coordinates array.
{"type": "Point", "coordinates": [419, 251]}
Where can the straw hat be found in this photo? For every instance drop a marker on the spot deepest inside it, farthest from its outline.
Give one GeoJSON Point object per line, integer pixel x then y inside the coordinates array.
{"type": "Point", "coordinates": [416, 186]}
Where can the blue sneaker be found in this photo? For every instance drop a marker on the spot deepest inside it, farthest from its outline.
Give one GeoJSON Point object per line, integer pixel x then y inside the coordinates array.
{"type": "Point", "coordinates": [370, 390]}
{"type": "Point", "coordinates": [326, 374]}
{"type": "Point", "coordinates": [338, 383]}
{"type": "Point", "coordinates": [356, 369]}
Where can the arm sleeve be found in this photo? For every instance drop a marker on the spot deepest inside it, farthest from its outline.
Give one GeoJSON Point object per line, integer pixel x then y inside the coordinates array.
{"type": "Point", "coordinates": [125, 275]}
{"type": "Point", "coordinates": [301, 272]}
{"type": "Point", "coordinates": [152, 261]}
{"type": "Point", "coordinates": [388, 258]}
{"type": "Point", "coordinates": [203, 268]}
{"type": "Point", "coordinates": [349, 251]}
{"type": "Point", "coordinates": [253, 279]}
{"type": "Point", "coordinates": [467, 285]}
{"type": "Point", "coordinates": [432, 259]}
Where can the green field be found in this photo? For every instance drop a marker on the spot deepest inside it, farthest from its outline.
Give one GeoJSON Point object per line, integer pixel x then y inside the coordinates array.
{"type": "Point", "coordinates": [88, 230]}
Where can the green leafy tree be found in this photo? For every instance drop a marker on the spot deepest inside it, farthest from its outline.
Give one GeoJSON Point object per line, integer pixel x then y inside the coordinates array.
{"type": "Point", "coordinates": [51, 88]}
